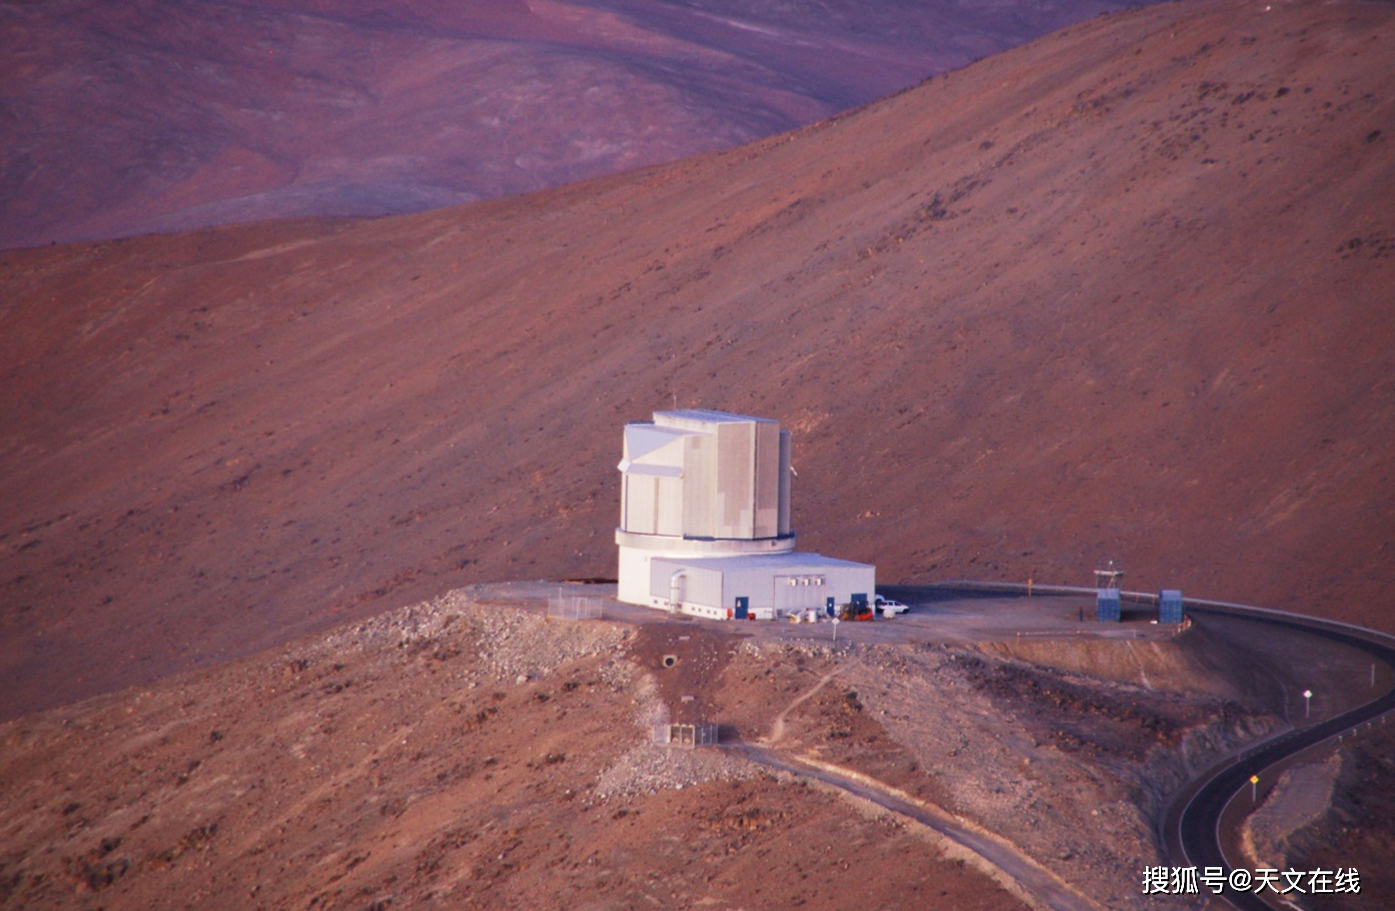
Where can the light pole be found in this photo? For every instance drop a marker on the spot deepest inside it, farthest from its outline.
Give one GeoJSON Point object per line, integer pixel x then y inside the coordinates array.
{"type": "Point", "coordinates": [1307, 703]}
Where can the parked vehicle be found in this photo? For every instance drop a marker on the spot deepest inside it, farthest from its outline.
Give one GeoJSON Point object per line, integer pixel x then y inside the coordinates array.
{"type": "Point", "coordinates": [889, 607]}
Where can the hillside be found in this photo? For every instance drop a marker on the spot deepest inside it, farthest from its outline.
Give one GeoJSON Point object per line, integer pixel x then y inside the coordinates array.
{"type": "Point", "coordinates": [407, 763]}
{"type": "Point", "coordinates": [164, 115]}
{"type": "Point", "coordinates": [1121, 293]}
{"type": "Point", "coordinates": [469, 752]}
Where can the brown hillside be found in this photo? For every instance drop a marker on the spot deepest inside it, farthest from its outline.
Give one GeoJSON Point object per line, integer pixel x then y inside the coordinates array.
{"type": "Point", "coordinates": [393, 765]}
{"type": "Point", "coordinates": [1124, 292]}
{"type": "Point", "coordinates": [164, 115]}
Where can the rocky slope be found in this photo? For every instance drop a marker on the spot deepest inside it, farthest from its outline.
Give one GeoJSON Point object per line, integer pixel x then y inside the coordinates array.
{"type": "Point", "coordinates": [457, 754]}
{"type": "Point", "coordinates": [469, 752]}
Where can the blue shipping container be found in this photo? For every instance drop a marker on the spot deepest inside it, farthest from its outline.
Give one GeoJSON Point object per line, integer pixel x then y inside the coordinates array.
{"type": "Point", "coordinates": [1170, 606]}
{"type": "Point", "coordinates": [1107, 604]}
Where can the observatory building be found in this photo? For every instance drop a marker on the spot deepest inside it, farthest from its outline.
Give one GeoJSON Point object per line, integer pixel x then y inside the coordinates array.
{"type": "Point", "coordinates": [705, 522]}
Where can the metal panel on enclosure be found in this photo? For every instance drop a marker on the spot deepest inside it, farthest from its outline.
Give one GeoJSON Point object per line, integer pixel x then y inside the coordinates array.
{"type": "Point", "coordinates": [786, 462]}
{"type": "Point", "coordinates": [668, 512]}
{"type": "Point", "coordinates": [700, 477]}
{"type": "Point", "coordinates": [641, 501]}
{"type": "Point", "coordinates": [651, 480]}
{"type": "Point", "coordinates": [736, 445]}
{"type": "Point", "coordinates": [766, 480]}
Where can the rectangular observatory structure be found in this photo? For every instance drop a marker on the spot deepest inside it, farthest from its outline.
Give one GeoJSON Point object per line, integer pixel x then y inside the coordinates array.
{"type": "Point", "coordinates": [705, 510]}
{"type": "Point", "coordinates": [706, 474]}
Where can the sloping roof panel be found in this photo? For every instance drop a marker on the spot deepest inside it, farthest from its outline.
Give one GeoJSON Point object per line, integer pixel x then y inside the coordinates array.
{"type": "Point", "coordinates": [645, 453]}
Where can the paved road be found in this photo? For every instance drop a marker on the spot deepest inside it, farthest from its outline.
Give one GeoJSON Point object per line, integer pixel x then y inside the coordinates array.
{"type": "Point", "coordinates": [1193, 822]}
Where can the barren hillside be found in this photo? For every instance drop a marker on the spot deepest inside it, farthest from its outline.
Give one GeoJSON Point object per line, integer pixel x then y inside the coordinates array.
{"type": "Point", "coordinates": [1121, 293]}
{"type": "Point", "coordinates": [469, 753]}
{"type": "Point", "coordinates": [162, 115]}
{"type": "Point", "coordinates": [408, 765]}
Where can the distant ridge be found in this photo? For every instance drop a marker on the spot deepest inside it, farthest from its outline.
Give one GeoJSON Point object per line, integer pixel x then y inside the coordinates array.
{"type": "Point", "coordinates": [1122, 293]}
{"type": "Point", "coordinates": [165, 115]}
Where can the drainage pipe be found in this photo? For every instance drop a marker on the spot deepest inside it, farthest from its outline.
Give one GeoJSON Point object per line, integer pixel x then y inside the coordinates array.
{"type": "Point", "coordinates": [674, 601]}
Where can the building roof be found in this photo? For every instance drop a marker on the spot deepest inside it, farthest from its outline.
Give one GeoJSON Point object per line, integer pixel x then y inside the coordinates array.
{"type": "Point", "coordinates": [709, 417]}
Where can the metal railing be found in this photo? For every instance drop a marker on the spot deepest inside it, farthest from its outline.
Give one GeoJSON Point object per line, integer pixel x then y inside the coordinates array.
{"type": "Point", "coordinates": [574, 607]}
{"type": "Point", "coordinates": [690, 736]}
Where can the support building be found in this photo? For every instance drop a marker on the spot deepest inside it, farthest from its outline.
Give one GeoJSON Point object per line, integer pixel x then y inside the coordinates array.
{"type": "Point", "coordinates": [705, 522]}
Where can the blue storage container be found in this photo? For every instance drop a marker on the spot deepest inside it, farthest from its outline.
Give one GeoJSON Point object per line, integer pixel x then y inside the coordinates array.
{"type": "Point", "coordinates": [1170, 606]}
{"type": "Point", "coordinates": [1107, 605]}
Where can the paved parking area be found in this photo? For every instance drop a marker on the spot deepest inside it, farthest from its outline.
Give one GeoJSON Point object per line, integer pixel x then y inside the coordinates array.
{"type": "Point", "coordinates": [936, 615]}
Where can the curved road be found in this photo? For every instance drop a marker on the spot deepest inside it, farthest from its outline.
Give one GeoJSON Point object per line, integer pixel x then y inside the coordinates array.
{"type": "Point", "coordinates": [1192, 824]}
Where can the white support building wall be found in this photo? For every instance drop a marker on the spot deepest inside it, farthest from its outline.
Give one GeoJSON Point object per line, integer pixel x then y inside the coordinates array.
{"type": "Point", "coordinates": [770, 586]}
{"type": "Point", "coordinates": [705, 520]}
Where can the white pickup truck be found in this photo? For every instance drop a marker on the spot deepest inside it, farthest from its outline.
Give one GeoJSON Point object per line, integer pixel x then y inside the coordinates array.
{"type": "Point", "coordinates": [888, 607]}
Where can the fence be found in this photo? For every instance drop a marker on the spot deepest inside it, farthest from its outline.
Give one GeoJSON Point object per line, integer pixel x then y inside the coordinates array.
{"type": "Point", "coordinates": [574, 607]}
{"type": "Point", "coordinates": [690, 736]}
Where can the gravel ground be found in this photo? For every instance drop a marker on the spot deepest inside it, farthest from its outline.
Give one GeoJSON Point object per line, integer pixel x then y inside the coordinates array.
{"type": "Point", "coordinates": [1067, 746]}
{"type": "Point", "coordinates": [476, 703]}
{"type": "Point", "coordinates": [1300, 798]}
